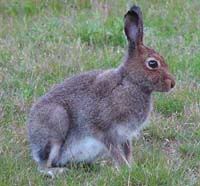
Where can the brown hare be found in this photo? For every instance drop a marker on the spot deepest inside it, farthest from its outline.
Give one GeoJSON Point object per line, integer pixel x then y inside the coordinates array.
{"type": "Point", "coordinates": [99, 112]}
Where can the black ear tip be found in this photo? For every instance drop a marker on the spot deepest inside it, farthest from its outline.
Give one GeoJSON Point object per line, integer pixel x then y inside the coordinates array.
{"type": "Point", "coordinates": [135, 9]}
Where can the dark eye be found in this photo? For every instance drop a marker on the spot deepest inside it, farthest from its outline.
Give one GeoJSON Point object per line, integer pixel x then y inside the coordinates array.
{"type": "Point", "coordinates": [153, 64]}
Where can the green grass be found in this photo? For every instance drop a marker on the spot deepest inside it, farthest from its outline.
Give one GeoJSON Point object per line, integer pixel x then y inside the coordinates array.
{"type": "Point", "coordinates": [43, 42]}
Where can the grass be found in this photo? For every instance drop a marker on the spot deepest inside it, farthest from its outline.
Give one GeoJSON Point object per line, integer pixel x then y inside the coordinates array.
{"type": "Point", "coordinates": [43, 42]}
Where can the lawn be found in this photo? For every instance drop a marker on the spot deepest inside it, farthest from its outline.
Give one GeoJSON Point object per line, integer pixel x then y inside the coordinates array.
{"type": "Point", "coordinates": [43, 42]}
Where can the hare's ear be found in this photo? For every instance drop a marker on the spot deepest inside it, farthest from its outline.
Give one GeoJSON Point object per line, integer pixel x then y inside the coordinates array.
{"type": "Point", "coordinates": [133, 27]}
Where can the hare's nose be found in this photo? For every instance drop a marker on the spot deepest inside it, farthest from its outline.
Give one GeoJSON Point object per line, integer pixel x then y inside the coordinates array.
{"type": "Point", "coordinates": [173, 84]}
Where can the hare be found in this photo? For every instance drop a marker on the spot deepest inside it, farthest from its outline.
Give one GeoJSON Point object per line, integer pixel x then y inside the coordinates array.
{"type": "Point", "coordinates": [99, 112]}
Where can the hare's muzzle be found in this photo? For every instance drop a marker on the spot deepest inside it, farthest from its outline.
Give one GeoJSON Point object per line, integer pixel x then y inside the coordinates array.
{"type": "Point", "coordinates": [170, 82]}
{"type": "Point", "coordinates": [173, 83]}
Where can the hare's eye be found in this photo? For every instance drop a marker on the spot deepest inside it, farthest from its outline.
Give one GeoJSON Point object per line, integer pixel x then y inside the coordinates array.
{"type": "Point", "coordinates": [152, 64]}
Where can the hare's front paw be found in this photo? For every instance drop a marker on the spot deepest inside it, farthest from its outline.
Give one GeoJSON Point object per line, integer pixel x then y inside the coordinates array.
{"type": "Point", "coordinates": [119, 157]}
{"type": "Point", "coordinates": [127, 149]}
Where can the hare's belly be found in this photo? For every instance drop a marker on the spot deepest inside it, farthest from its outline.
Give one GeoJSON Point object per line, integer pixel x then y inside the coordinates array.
{"type": "Point", "coordinates": [85, 150]}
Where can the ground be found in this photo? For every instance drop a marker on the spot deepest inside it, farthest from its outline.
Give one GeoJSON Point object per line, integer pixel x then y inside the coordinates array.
{"type": "Point", "coordinates": [44, 42]}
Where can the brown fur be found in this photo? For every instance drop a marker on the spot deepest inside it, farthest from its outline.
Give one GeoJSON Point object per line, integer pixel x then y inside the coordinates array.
{"type": "Point", "coordinates": [104, 108]}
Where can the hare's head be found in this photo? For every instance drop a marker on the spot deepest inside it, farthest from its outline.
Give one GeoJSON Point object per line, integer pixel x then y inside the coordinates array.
{"type": "Point", "coordinates": [143, 65]}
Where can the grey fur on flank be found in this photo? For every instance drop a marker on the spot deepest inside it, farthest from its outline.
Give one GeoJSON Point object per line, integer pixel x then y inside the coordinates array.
{"type": "Point", "coordinates": [99, 112]}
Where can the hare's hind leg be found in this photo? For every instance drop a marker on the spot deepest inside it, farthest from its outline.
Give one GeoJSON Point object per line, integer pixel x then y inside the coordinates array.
{"type": "Point", "coordinates": [48, 128]}
{"type": "Point", "coordinates": [58, 125]}
{"type": "Point", "coordinates": [50, 168]}
{"type": "Point", "coordinates": [48, 157]}
{"type": "Point", "coordinates": [54, 154]}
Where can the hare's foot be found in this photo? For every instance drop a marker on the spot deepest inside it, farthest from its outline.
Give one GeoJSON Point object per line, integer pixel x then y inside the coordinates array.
{"type": "Point", "coordinates": [52, 172]}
